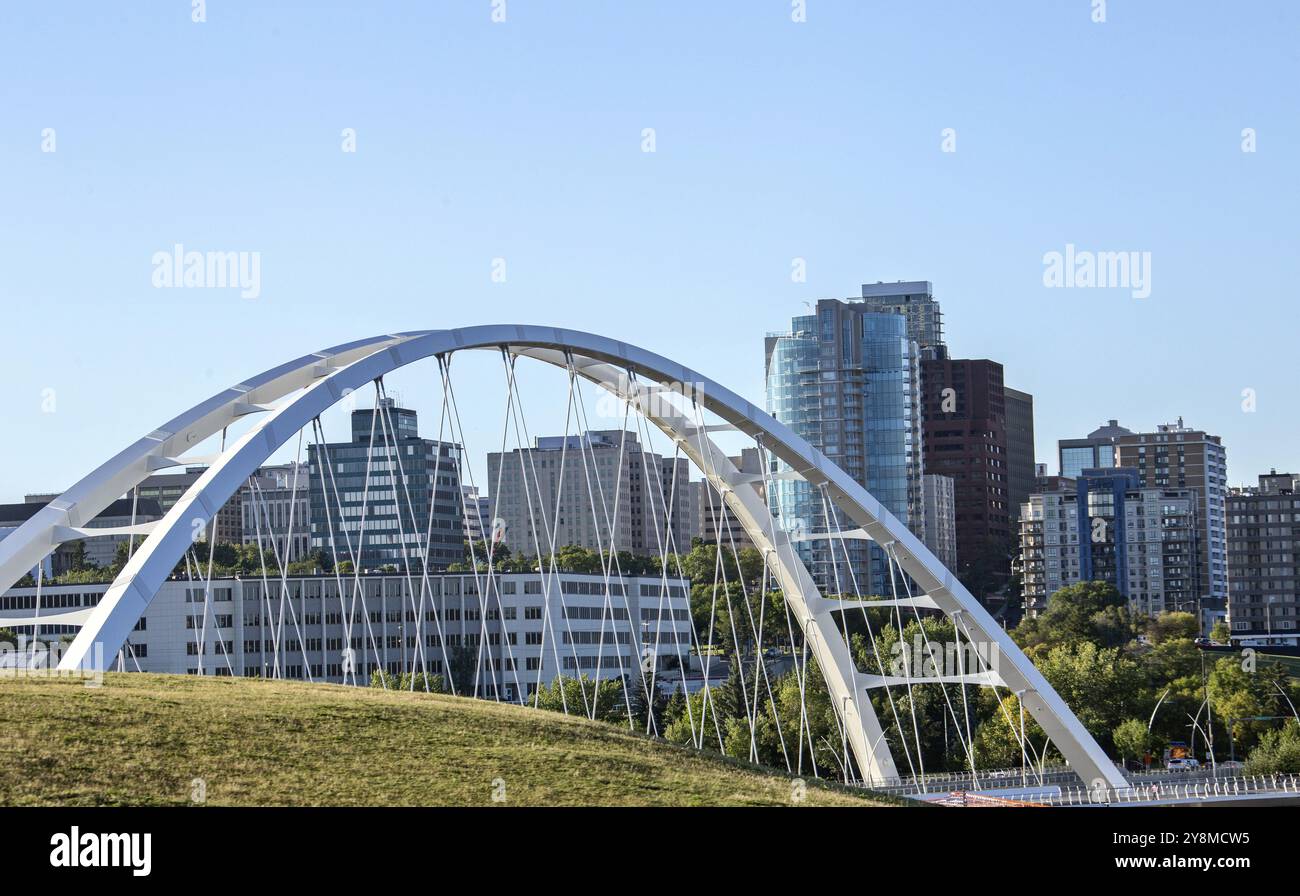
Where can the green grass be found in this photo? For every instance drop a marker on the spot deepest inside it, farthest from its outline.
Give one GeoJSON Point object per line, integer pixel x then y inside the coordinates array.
{"type": "Point", "coordinates": [142, 740]}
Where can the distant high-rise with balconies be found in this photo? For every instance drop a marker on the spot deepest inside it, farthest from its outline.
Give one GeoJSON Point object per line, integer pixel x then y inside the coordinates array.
{"type": "Point", "coordinates": [914, 299]}
{"type": "Point", "coordinates": [938, 517]}
{"type": "Point", "coordinates": [1106, 527]}
{"type": "Point", "coordinates": [1263, 571]}
{"type": "Point", "coordinates": [601, 490]}
{"type": "Point", "coordinates": [1177, 456]}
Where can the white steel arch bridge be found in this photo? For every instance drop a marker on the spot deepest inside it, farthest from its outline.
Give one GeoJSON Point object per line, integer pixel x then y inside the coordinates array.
{"type": "Point", "coordinates": [685, 408]}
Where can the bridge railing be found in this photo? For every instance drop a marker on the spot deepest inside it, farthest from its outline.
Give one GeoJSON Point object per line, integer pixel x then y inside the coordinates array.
{"type": "Point", "coordinates": [1015, 777]}
{"type": "Point", "coordinates": [990, 779]}
{"type": "Point", "coordinates": [1214, 788]}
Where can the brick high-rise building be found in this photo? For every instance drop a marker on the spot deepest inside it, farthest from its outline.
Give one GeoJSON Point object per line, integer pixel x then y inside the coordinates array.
{"type": "Point", "coordinates": [965, 437]}
{"type": "Point", "coordinates": [718, 524]}
{"type": "Point", "coordinates": [167, 489]}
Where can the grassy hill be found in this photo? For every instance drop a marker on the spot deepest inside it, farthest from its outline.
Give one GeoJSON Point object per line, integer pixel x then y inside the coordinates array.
{"type": "Point", "coordinates": [142, 739]}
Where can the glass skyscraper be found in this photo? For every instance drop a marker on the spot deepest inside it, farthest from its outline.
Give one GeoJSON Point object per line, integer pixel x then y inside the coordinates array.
{"type": "Point", "coordinates": [847, 379]}
{"type": "Point", "coordinates": [394, 529]}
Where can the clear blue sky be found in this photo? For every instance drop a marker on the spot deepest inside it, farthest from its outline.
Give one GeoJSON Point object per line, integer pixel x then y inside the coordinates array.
{"type": "Point", "coordinates": [522, 140]}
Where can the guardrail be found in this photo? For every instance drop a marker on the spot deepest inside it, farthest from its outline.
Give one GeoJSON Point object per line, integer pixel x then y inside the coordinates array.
{"type": "Point", "coordinates": [1016, 777]}
{"type": "Point", "coordinates": [985, 779]}
{"type": "Point", "coordinates": [1156, 792]}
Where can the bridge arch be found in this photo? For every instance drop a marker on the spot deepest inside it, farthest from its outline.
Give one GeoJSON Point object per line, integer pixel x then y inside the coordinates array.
{"type": "Point", "coordinates": [291, 395]}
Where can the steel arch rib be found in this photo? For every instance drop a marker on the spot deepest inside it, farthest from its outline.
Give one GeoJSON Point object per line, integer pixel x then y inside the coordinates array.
{"type": "Point", "coordinates": [318, 381]}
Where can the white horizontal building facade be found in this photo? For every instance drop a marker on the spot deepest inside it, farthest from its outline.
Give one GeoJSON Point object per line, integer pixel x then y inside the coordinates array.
{"type": "Point", "coordinates": [505, 632]}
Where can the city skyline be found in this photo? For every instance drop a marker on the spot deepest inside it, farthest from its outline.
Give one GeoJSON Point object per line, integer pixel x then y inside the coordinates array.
{"type": "Point", "coordinates": [1047, 446]}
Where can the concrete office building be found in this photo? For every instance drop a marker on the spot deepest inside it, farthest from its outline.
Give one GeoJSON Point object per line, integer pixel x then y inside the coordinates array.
{"type": "Point", "coordinates": [1263, 552]}
{"type": "Point", "coordinates": [1020, 447]}
{"type": "Point", "coordinates": [1106, 527]}
{"type": "Point", "coordinates": [496, 638]}
{"type": "Point", "coordinates": [718, 524]}
{"type": "Point", "coordinates": [847, 379]}
{"type": "Point", "coordinates": [643, 501]}
{"type": "Point", "coordinates": [1178, 456]}
{"type": "Point", "coordinates": [938, 515]}
{"type": "Point", "coordinates": [386, 522]}
{"type": "Point", "coordinates": [167, 489]}
{"type": "Point", "coordinates": [478, 517]}
{"type": "Point", "coordinates": [275, 505]}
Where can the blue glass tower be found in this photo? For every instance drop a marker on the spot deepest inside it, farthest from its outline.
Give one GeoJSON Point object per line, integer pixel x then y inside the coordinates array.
{"type": "Point", "coordinates": [847, 379]}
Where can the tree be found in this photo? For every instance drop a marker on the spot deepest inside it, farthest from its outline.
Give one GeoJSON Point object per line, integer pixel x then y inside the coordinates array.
{"type": "Point", "coordinates": [577, 697]}
{"type": "Point", "coordinates": [77, 561]}
{"type": "Point", "coordinates": [1278, 752]}
{"type": "Point", "coordinates": [406, 681]}
{"type": "Point", "coordinates": [1241, 698]}
{"type": "Point", "coordinates": [810, 728]}
{"type": "Point", "coordinates": [998, 740]}
{"type": "Point", "coordinates": [707, 562]}
{"type": "Point", "coordinates": [646, 699]}
{"type": "Point", "coordinates": [1132, 739]}
{"type": "Point", "coordinates": [1086, 611]}
{"type": "Point", "coordinates": [1102, 685]}
{"type": "Point", "coordinates": [1173, 627]}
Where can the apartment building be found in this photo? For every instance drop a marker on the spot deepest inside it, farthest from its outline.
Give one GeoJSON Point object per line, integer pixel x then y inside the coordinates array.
{"type": "Point", "coordinates": [1177, 456]}
{"type": "Point", "coordinates": [938, 515]}
{"type": "Point", "coordinates": [1105, 526]}
{"type": "Point", "coordinates": [275, 506]}
{"type": "Point", "coordinates": [1263, 546]}
{"type": "Point", "coordinates": [718, 524]}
